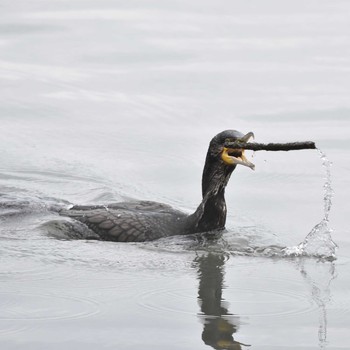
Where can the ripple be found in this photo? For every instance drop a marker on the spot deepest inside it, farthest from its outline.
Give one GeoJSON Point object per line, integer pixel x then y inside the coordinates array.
{"type": "Point", "coordinates": [168, 300]}
{"type": "Point", "coordinates": [11, 329]}
{"type": "Point", "coordinates": [33, 273]}
{"type": "Point", "coordinates": [242, 301]}
{"type": "Point", "coordinates": [215, 242]}
{"type": "Point", "coordinates": [260, 303]}
{"type": "Point", "coordinates": [26, 306]}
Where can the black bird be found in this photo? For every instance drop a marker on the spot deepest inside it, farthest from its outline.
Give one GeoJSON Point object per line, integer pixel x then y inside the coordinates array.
{"type": "Point", "coordinates": [139, 221]}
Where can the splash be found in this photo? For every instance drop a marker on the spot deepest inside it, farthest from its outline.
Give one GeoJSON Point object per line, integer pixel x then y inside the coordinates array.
{"type": "Point", "coordinates": [318, 242]}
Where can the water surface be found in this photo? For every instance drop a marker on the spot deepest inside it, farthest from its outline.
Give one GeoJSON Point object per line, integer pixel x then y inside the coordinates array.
{"type": "Point", "coordinates": [107, 101]}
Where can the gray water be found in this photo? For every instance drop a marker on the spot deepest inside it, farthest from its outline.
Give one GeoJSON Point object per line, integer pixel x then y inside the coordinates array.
{"type": "Point", "coordinates": [103, 101]}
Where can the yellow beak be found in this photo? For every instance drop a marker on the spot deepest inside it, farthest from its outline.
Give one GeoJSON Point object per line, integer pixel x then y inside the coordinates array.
{"type": "Point", "coordinates": [242, 160]}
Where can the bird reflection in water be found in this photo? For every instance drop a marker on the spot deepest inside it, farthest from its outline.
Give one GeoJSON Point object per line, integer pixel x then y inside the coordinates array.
{"type": "Point", "coordinates": [219, 324]}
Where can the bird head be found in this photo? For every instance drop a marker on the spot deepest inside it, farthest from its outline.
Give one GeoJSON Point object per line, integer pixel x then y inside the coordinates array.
{"type": "Point", "coordinates": [221, 160]}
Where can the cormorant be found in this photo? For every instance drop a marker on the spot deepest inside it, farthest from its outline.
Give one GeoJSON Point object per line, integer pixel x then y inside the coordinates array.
{"type": "Point", "coordinates": [139, 221]}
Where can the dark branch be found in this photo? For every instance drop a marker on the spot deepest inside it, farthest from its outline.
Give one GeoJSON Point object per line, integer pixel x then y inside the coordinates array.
{"type": "Point", "coordinates": [254, 146]}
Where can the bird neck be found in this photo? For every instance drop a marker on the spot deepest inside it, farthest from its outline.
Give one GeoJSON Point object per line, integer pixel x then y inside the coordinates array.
{"type": "Point", "coordinates": [211, 213]}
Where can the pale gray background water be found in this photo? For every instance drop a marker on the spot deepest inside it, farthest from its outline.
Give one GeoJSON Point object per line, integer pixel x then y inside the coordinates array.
{"type": "Point", "coordinates": [107, 100]}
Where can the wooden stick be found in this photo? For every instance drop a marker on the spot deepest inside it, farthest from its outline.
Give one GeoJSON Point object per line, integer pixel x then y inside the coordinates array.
{"type": "Point", "coordinates": [254, 146]}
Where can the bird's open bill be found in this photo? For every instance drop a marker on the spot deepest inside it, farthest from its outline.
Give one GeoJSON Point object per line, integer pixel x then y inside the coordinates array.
{"type": "Point", "coordinates": [233, 156]}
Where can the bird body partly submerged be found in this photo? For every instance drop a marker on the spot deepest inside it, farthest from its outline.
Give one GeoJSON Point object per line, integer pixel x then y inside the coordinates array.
{"type": "Point", "coordinates": [138, 221]}
{"type": "Point", "coordinates": [135, 221]}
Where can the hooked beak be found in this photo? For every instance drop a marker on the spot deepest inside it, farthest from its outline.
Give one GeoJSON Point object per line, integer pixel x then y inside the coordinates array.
{"type": "Point", "coordinates": [232, 156]}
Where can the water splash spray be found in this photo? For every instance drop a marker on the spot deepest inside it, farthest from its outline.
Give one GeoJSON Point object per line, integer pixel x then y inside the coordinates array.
{"type": "Point", "coordinates": [318, 242]}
